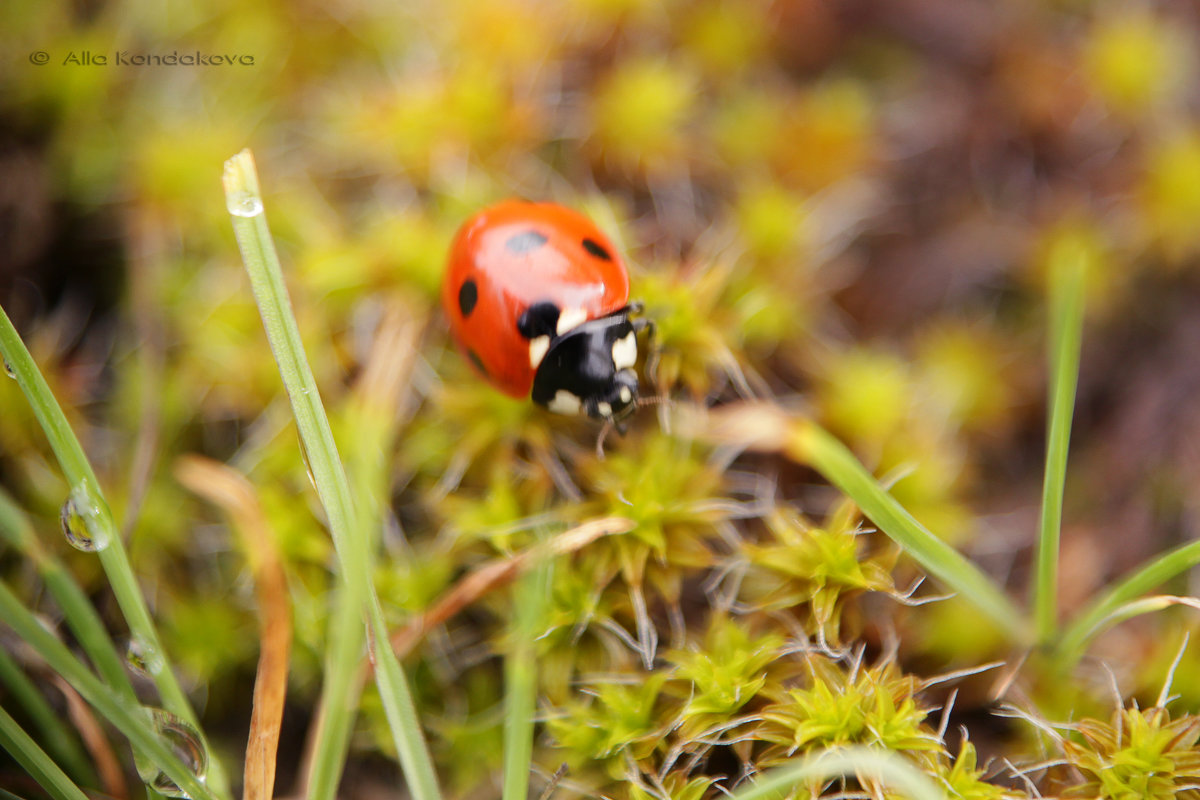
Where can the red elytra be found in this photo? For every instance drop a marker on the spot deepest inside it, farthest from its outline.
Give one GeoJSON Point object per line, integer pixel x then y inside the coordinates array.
{"type": "Point", "coordinates": [515, 255]}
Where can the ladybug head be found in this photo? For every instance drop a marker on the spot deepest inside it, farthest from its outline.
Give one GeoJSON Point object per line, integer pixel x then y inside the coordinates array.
{"type": "Point", "coordinates": [589, 369]}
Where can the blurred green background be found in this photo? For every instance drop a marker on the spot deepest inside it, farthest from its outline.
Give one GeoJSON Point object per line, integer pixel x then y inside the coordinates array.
{"type": "Point", "coordinates": [844, 204]}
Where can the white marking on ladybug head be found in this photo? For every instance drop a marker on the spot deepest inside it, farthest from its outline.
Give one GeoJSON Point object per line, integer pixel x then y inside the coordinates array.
{"type": "Point", "coordinates": [537, 350]}
{"type": "Point", "coordinates": [624, 351]}
{"type": "Point", "coordinates": [625, 395]}
{"type": "Point", "coordinates": [570, 318]}
{"type": "Point", "coordinates": [565, 403]}
{"type": "Point", "coordinates": [604, 408]}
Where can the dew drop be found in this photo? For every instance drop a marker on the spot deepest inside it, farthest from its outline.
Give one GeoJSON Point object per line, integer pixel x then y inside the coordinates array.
{"type": "Point", "coordinates": [9, 371]}
{"type": "Point", "coordinates": [143, 658]}
{"type": "Point", "coordinates": [244, 204]}
{"type": "Point", "coordinates": [183, 740]}
{"type": "Point", "coordinates": [81, 521]}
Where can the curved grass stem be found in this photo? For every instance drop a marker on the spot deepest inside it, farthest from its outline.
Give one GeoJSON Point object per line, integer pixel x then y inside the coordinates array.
{"type": "Point", "coordinates": [1107, 606]}
{"type": "Point", "coordinates": [35, 761]}
{"type": "Point", "coordinates": [128, 717]}
{"type": "Point", "coordinates": [766, 426]}
{"type": "Point", "coordinates": [85, 489]}
{"type": "Point", "coordinates": [811, 444]}
{"type": "Point", "coordinates": [55, 732]}
{"type": "Point", "coordinates": [865, 763]}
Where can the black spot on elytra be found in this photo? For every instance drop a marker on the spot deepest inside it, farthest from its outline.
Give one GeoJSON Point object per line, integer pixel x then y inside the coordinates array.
{"type": "Point", "coordinates": [477, 361]}
{"type": "Point", "coordinates": [540, 319]}
{"type": "Point", "coordinates": [468, 296]}
{"type": "Point", "coordinates": [524, 242]}
{"type": "Point", "coordinates": [596, 249]}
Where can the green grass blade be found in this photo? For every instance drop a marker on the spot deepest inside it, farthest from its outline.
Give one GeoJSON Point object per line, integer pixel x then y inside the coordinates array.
{"type": "Point", "coordinates": [64, 746]}
{"type": "Point", "coordinates": [1067, 269]}
{"type": "Point", "coordinates": [85, 490]}
{"type": "Point", "coordinates": [35, 761]}
{"type": "Point", "coordinates": [58, 432]}
{"type": "Point", "coordinates": [7, 795]}
{"type": "Point", "coordinates": [129, 718]}
{"type": "Point", "coordinates": [1094, 618]}
{"type": "Point", "coordinates": [369, 430]}
{"type": "Point", "coordinates": [520, 679]}
{"type": "Point", "coordinates": [1142, 606]}
{"type": "Point", "coordinates": [881, 765]}
{"type": "Point", "coordinates": [350, 535]}
{"type": "Point", "coordinates": [339, 694]}
{"type": "Point", "coordinates": [812, 445]}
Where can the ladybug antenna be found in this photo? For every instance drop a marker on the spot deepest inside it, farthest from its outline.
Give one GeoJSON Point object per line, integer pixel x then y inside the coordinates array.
{"type": "Point", "coordinates": [657, 400]}
{"type": "Point", "coordinates": [653, 400]}
{"type": "Point", "coordinates": [654, 350]}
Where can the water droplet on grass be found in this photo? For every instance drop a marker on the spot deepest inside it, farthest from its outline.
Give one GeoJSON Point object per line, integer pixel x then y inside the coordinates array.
{"type": "Point", "coordinates": [183, 740]}
{"type": "Point", "coordinates": [9, 371]}
{"type": "Point", "coordinates": [143, 658]}
{"type": "Point", "coordinates": [81, 521]}
{"type": "Point", "coordinates": [244, 204]}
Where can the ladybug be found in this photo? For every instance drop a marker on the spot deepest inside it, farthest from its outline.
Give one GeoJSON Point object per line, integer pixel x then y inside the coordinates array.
{"type": "Point", "coordinates": [537, 299]}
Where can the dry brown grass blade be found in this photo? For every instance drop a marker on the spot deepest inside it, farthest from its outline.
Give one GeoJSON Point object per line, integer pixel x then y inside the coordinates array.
{"type": "Point", "coordinates": [384, 383]}
{"type": "Point", "coordinates": [498, 572]}
{"type": "Point", "coordinates": [229, 490]}
{"type": "Point", "coordinates": [753, 425]}
{"type": "Point", "coordinates": [112, 778]}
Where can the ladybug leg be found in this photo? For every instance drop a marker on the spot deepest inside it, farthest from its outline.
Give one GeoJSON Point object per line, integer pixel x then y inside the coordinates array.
{"type": "Point", "coordinates": [632, 308]}
{"type": "Point", "coordinates": [610, 424]}
{"type": "Point", "coordinates": [653, 351]}
{"type": "Point", "coordinates": [600, 437]}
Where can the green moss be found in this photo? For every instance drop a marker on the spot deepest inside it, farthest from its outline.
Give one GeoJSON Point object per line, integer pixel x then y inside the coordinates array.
{"type": "Point", "coordinates": [867, 395]}
{"type": "Point", "coordinates": [803, 566]}
{"type": "Point", "coordinates": [764, 167]}
{"type": "Point", "coordinates": [963, 779]}
{"type": "Point", "coordinates": [864, 705]}
{"type": "Point", "coordinates": [663, 485]}
{"type": "Point", "coordinates": [640, 113]}
{"type": "Point", "coordinates": [1135, 61]}
{"type": "Point", "coordinates": [725, 37]}
{"type": "Point", "coordinates": [721, 674]}
{"type": "Point", "coordinates": [1170, 194]}
{"type": "Point", "coordinates": [192, 624]}
{"type": "Point", "coordinates": [619, 722]}
{"type": "Point", "coordinates": [1136, 754]}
